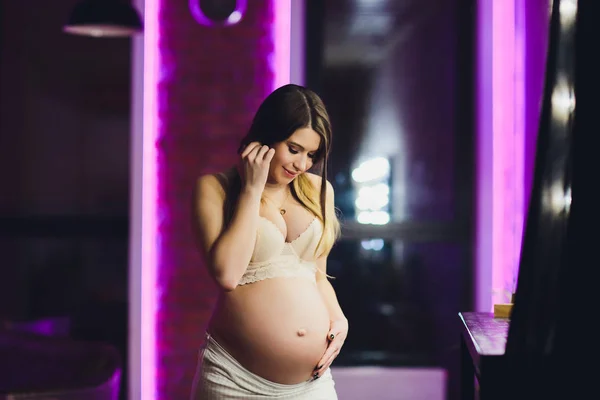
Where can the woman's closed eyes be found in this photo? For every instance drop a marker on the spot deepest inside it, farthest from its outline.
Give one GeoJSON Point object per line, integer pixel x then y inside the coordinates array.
{"type": "Point", "coordinates": [294, 151]}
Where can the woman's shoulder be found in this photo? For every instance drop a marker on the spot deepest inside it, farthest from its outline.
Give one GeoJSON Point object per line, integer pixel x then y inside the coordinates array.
{"type": "Point", "coordinates": [316, 181]}
{"type": "Point", "coordinates": [215, 183]}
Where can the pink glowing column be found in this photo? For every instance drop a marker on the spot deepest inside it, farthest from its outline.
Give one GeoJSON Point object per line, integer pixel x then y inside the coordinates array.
{"type": "Point", "coordinates": [152, 63]}
{"type": "Point", "coordinates": [144, 296]}
{"type": "Point", "coordinates": [500, 148]}
{"type": "Point", "coordinates": [142, 236]}
{"type": "Point", "coordinates": [282, 40]}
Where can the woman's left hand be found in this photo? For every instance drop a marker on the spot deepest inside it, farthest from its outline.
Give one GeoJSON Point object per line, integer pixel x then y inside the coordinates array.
{"type": "Point", "coordinates": [336, 336]}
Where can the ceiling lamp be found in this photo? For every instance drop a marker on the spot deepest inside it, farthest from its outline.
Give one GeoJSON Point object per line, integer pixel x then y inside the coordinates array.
{"type": "Point", "coordinates": [104, 18]}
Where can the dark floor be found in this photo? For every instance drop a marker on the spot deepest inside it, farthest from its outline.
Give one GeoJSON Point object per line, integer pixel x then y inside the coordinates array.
{"type": "Point", "coordinates": [378, 383]}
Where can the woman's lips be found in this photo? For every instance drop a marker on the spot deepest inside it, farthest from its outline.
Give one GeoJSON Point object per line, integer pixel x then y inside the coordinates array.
{"type": "Point", "coordinates": [289, 174]}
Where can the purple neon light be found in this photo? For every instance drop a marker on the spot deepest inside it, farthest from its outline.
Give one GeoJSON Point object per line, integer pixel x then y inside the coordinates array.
{"type": "Point", "coordinates": [484, 157]}
{"type": "Point", "coordinates": [520, 135]}
{"type": "Point", "coordinates": [150, 183]}
{"type": "Point", "coordinates": [149, 201]}
{"type": "Point", "coordinates": [509, 145]}
{"type": "Point", "coordinates": [282, 40]}
{"type": "Point", "coordinates": [501, 149]}
{"type": "Point", "coordinates": [503, 125]}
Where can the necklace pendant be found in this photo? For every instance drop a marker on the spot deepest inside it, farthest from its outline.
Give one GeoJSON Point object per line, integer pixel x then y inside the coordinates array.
{"type": "Point", "coordinates": [282, 211]}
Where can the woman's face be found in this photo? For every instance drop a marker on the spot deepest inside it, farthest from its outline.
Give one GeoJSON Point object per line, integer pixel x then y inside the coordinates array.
{"type": "Point", "coordinates": [294, 156]}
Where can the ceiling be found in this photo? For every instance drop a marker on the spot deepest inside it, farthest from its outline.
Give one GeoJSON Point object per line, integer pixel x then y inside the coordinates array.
{"type": "Point", "coordinates": [362, 32]}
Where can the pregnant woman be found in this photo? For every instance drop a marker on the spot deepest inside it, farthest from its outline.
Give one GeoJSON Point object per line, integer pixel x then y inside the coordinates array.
{"type": "Point", "coordinates": [265, 228]}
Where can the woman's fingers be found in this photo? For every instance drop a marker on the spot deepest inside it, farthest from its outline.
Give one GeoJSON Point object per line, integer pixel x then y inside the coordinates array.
{"type": "Point", "coordinates": [261, 153]}
{"type": "Point", "coordinates": [249, 148]}
{"type": "Point", "coordinates": [318, 372]}
{"type": "Point", "coordinates": [253, 153]}
{"type": "Point", "coordinates": [269, 155]}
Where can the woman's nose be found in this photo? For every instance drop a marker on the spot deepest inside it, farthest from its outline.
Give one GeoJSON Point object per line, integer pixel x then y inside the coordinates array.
{"type": "Point", "coordinates": [300, 164]}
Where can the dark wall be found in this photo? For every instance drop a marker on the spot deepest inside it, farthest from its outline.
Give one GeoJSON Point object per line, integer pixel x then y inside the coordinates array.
{"type": "Point", "coordinates": [64, 152]}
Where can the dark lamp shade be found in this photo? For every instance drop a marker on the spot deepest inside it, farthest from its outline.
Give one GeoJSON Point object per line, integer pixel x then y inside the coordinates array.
{"type": "Point", "coordinates": [104, 18]}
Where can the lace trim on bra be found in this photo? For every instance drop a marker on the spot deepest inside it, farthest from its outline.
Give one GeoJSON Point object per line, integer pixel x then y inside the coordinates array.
{"type": "Point", "coordinates": [291, 267]}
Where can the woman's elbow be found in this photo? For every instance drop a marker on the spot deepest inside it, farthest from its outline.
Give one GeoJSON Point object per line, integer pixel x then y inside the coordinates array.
{"type": "Point", "coordinates": [225, 279]}
{"type": "Point", "coordinates": [224, 274]}
{"type": "Point", "coordinates": [227, 284]}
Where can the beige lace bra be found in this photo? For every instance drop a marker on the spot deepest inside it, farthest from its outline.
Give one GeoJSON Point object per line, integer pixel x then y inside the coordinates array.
{"type": "Point", "coordinates": [274, 257]}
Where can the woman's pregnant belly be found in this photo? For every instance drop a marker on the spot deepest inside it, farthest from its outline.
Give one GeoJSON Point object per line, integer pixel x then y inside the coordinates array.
{"type": "Point", "coordinates": [276, 328]}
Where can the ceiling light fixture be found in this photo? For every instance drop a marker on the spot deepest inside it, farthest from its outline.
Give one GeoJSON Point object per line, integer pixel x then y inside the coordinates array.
{"type": "Point", "coordinates": [104, 18]}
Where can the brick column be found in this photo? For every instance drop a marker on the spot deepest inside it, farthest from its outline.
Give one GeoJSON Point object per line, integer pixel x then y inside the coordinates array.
{"type": "Point", "coordinates": [210, 82]}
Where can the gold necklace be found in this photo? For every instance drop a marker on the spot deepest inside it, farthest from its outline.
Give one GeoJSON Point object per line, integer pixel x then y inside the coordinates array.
{"type": "Point", "coordinates": [282, 210]}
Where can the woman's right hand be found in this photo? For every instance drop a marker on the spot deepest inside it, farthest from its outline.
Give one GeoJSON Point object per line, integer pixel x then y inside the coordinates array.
{"type": "Point", "coordinates": [255, 162]}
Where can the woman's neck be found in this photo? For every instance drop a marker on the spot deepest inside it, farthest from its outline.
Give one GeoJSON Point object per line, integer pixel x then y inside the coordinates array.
{"type": "Point", "coordinates": [275, 189]}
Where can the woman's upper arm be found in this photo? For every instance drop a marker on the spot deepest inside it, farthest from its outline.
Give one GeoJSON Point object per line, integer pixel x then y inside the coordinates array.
{"type": "Point", "coordinates": [208, 202]}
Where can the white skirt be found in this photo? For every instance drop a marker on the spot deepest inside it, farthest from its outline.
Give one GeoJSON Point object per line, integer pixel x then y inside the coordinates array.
{"type": "Point", "coordinates": [219, 376]}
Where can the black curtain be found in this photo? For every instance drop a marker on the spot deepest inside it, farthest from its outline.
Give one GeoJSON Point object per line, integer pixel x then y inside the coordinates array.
{"type": "Point", "coordinates": [551, 335]}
